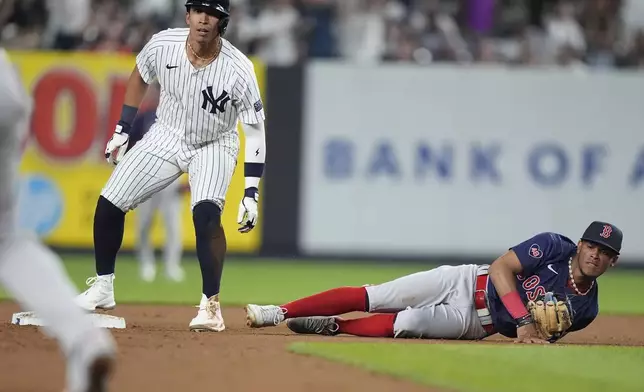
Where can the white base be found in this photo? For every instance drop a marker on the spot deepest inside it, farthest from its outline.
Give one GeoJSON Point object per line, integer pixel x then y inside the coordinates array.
{"type": "Point", "coordinates": [98, 320]}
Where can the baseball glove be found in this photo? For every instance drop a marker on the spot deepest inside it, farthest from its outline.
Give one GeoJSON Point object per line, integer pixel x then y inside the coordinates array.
{"type": "Point", "coordinates": [551, 316]}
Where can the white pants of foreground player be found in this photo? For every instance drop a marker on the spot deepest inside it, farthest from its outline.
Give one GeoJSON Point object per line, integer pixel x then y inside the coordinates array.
{"type": "Point", "coordinates": [34, 277]}
{"type": "Point", "coordinates": [438, 303]}
{"type": "Point", "coordinates": [30, 272]}
{"type": "Point", "coordinates": [168, 203]}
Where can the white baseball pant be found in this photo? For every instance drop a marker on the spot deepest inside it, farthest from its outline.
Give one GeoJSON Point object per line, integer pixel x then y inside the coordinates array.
{"type": "Point", "coordinates": [438, 303]}
{"type": "Point", "coordinates": [160, 158]}
{"type": "Point", "coordinates": [29, 271]}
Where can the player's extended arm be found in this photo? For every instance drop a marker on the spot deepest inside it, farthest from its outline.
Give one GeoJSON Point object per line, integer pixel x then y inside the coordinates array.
{"type": "Point", "coordinates": [134, 93]}
{"type": "Point", "coordinates": [502, 272]}
{"type": "Point", "coordinates": [135, 90]}
{"type": "Point", "coordinates": [255, 158]}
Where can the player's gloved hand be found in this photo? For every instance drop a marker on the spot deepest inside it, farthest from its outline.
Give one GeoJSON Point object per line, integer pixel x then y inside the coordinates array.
{"type": "Point", "coordinates": [117, 145]}
{"type": "Point", "coordinates": [247, 216]}
{"type": "Point", "coordinates": [551, 316]}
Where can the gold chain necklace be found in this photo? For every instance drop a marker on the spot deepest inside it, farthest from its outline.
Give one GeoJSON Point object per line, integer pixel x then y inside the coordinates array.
{"type": "Point", "coordinates": [205, 59]}
{"type": "Point", "coordinates": [572, 280]}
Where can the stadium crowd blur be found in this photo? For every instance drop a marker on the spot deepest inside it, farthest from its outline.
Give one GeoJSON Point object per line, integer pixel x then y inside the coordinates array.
{"type": "Point", "coordinates": [565, 33]}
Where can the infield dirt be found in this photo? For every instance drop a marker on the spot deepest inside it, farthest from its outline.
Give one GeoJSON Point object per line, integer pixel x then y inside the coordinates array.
{"type": "Point", "coordinates": [157, 353]}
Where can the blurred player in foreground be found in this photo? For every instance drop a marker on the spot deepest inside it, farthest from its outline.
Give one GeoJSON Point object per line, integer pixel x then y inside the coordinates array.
{"type": "Point", "coordinates": [536, 292]}
{"type": "Point", "coordinates": [166, 201]}
{"type": "Point", "coordinates": [33, 274]}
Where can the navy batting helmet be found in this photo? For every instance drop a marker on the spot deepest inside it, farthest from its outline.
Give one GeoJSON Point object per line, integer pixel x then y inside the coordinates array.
{"type": "Point", "coordinates": [221, 9]}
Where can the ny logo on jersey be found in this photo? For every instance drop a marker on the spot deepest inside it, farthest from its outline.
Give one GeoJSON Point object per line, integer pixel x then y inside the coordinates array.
{"type": "Point", "coordinates": [218, 103]}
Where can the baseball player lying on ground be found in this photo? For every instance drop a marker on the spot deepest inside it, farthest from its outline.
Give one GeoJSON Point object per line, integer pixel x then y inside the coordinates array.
{"type": "Point", "coordinates": [537, 292]}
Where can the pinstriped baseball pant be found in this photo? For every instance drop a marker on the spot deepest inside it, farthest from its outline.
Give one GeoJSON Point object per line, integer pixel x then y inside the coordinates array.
{"type": "Point", "coordinates": [161, 157]}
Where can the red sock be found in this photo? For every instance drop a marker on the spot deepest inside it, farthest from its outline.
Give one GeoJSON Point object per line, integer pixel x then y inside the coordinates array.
{"type": "Point", "coordinates": [328, 303]}
{"type": "Point", "coordinates": [376, 326]}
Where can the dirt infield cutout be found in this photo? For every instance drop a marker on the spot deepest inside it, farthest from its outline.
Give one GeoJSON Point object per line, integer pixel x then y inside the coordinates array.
{"type": "Point", "coordinates": [157, 353]}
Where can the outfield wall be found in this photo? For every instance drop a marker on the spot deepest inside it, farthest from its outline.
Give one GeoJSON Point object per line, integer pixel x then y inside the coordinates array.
{"type": "Point", "coordinates": [467, 162]}
{"type": "Point", "coordinates": [449, 163]}
{"type": "Point", "coordinates": [395, 161]}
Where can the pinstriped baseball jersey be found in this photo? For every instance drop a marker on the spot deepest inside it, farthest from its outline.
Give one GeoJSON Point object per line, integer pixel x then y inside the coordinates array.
{"type": "Point", "coordinates": [200, 105]}
{"type": "Point", "coordinates": [195, 131]}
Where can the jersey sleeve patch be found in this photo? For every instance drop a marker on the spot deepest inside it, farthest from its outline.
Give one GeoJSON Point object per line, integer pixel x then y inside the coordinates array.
{"type": "Point", "coordinates": [535, 251]}
{"type": "Point", "coordinates": [258, 106]}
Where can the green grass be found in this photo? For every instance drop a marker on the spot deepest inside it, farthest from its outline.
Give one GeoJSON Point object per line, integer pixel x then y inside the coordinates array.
{"type": "Point", "coordinates": [494, 368]}
{"type": "Point", "coordinates": [618, 292]}
{"type": "Point", "coordinates": [466, 367]}
{"type": "Point", "coordinates": [269, 281]}
{"type": "Point", "coordinates": [244, 281]}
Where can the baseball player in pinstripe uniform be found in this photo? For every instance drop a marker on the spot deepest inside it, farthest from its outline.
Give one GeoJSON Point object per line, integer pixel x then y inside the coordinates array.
{"type": "Point", "coordinates": [207, 85]}
{"type": "Point", "coordinates": [31, 272]}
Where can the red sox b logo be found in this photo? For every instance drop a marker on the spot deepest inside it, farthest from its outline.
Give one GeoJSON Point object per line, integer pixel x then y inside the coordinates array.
{"type": "Point", "coordinates": [607, 231]}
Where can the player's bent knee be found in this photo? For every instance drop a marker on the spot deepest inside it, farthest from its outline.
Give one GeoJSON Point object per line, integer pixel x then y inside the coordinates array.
{"type": "Point", "coordinates": [106, 211]}
{"type": "Point", "coordinates": [217, 202]}
{"type": "Point", "coordinates": [113, 199]}
{"type": "Point", "coordinates": [206, 217]}
{"type": "Point", "coordinates": [410, 324]}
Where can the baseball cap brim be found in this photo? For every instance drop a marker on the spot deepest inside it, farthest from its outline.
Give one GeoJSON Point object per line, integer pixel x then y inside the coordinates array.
{"type": "Point", "coordinates": [600, 243]}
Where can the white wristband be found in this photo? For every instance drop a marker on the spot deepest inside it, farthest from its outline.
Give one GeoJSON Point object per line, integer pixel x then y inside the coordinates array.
{"type": "Point", "coordinates": [252, 182]}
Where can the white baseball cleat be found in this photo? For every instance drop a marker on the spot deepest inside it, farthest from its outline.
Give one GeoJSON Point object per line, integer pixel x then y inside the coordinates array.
{"type": "Point", "coordinates": [90, 363]}
{"type": "Point", "coordinates": [209, 318]}
{"type": "Point", "coordinates": [99, 295]}
{"type": "Point", "coordinates": [258, 316]}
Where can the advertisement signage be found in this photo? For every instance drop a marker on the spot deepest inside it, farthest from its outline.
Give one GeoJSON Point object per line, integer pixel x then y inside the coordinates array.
{"type": "Point", "coordinates": [77, 101]}
{"type": "Point", "coordinates": [411, 161]}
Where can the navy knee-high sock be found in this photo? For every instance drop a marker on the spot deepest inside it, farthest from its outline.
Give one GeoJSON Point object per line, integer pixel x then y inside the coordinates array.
{"type": "Point", "coordinates": [109, 224]}
{"type": "Point", "coordinates": [218, 252]}
{"type": "Point", "coordinates": [211, 245]}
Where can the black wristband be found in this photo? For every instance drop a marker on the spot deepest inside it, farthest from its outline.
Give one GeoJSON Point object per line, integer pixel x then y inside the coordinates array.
{"type": "Point", "coordinates": [128, 113]}
{"type": "Point", "coordinates": [252, 169]}
{"type": "Point", "coordinates": [251, 192]}
{"type": "Point", "coordinates": [525, 320]}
